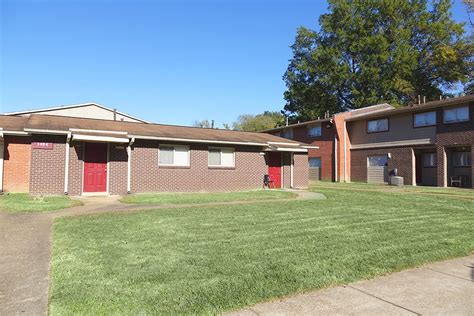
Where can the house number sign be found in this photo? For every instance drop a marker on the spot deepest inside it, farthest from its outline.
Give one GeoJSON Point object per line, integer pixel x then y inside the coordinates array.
{"type": "Point", "coordinates": [42, 145]}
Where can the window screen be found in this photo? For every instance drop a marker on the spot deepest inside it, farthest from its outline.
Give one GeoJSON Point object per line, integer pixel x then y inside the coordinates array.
{"type": "Point", "coordinates": [222, 157]}
{"type": "Point", "coordinates": [425, 119]}
{"type": "Point", "coordinates": [174, 155]}
{"type": "Point", "coordinates": [460, 114]}
{"type": "Point", "coordinates": [314, 162]}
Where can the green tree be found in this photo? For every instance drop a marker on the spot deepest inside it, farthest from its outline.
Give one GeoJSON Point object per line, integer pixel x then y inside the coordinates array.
{"type": "Point", "coordinates": [373, 51]}
{"type": "Point", "coordinates": [260, 122]}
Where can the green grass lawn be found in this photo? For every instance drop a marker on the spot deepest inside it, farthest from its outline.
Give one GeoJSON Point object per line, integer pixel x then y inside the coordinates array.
{"type": "Point", "coordinates": [202, 259]}
{"type": "Point", "coordinates": [25, 203]}
{"type": "Point", "coordinates": [199, 198]}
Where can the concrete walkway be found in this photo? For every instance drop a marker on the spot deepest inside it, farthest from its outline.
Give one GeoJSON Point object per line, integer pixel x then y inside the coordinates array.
{"type": "Point", "coordinates": [25, 248]}
{"type": "Point", "coordinates": [443, 288]}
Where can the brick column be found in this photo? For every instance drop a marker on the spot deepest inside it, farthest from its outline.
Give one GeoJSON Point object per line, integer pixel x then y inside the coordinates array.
{"type": "Point", "coordinates": [442, 166]}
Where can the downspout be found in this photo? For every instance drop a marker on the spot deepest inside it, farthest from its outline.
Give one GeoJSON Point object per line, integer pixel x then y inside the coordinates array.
{"type": "Point", "coordinates": [335, 158]}
{"type": "Point", "coordinates": [129, 165]}
{"type": "Point", "coordinates": [291, 169]}
{"type": "Point", "coordinates": [345, 150]}
{"type": "Point", "coordinates": [66, 165]}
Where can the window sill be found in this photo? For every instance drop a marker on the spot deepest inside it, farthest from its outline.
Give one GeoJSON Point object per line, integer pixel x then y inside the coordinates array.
{"type": "Point", "coordinates": [173, 167]}
{"type": "Point", "coordinates": [222, 167]}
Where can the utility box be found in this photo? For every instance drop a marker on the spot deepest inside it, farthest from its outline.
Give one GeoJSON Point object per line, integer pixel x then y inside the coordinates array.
{"type": "Point", "coordinates": [396, 180]}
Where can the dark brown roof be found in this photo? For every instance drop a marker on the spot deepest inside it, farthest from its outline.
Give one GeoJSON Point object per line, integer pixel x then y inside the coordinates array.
{"type": "Point", "coordinates": [61, 123]}
{"type": "Point", "coordinates": [415, 108]}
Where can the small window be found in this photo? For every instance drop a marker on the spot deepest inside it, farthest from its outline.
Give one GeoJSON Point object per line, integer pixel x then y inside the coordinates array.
{"type": "Point", "coordinates": [287, 133]}
{"type": "Point", "coordinates": [174, 156]}
{"type": "Point", "coordinates": [314, 162]}
{"type": "Point", "coordinates": [425, 119]}
{"type": "Point", "coordinates": [429, 160]}
{"type": "Point", "coordinates": [462, 158]}
{"type": "Point", "coordinates": [378, 161]}
{"type": "Point", "coordinates": [314, 131]}
{"type": "Point", "coordinates": [375, 126]}
{"type": "Point", "coordinates": [221, 157]}
{"type": "Point", "coordinates": [460, 114]}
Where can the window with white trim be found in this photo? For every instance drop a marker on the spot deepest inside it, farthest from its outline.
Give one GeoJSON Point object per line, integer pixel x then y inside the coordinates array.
{"type": "Point", "coordinates": [172, 155]}
{"type": "Point", "coordinates": [425, 119]}
{"type": "Point", "coordinates": [375, 126]}
{"type": "Point", "coordinates": [460, 114]}
{"type": "Point", "coordinates": [221, 157]}
{"type": "Point", "coordinates": [429, 160]}
{"type": "Point", "coordinates": [462, 158]}
{"type": "Point", "coordinates": [314, 131]}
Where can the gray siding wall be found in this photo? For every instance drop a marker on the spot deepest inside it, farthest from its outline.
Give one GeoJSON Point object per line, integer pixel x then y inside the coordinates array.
{"type": "Point", "coordinates": [400, 129]}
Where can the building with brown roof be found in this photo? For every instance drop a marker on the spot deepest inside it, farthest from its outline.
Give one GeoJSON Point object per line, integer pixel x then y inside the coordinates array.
{"type": "Point", "coordinates": [51, 154]}
{"type": "Point", "coordinates": [426, 144]}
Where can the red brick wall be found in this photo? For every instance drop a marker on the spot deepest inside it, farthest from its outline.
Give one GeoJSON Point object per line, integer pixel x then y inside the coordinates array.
{"type": "Point", "coordinates": [16, 164]}
{"type": "Point", "coordinates": [402, 159]}
{"type": "Point", "coordinates": [147, 176]}
{"type": "Point", "coordinates": [47, 166]}
{"type": "Point", "coordinates": [300, 170]}
{"type": "Point", "coordinates": [325, 142]}
{"type": "Point", "coordinates": [118, 169]}
{"type": "Point", "coordinates": [76, 165]}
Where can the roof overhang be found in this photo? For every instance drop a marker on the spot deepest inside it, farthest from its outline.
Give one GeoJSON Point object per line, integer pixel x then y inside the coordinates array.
{"type": "Point", "coordinates": [95, 138]}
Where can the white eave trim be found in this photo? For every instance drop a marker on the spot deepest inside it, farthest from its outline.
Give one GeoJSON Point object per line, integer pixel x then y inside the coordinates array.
{"type": "Point", "coordinates": [283, 143]}
{"type": "Point", "coordinates": [310, 147]}
{"type": "Point", "coordinates": [16, 133]}
{"type": "Point", "coordinates": [299, 150]}
{"type": "Point", "coordinates": [413, 142]}
{"type": "Point", "coordinates": [45, 131]}
{"type": "Point", "coordinates": [108, 139]}
{"type": "Point", "coordinates": [96, 131]}
{"type": "Point", "coordinates": [187, 140]}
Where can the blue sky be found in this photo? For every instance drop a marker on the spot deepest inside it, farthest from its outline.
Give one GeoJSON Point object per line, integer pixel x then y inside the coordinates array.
{"type": "Point", "coordinates": [166, 61]}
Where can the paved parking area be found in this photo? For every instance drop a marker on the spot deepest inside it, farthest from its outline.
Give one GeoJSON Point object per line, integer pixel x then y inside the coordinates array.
{"type": "Point", "coordinates": [443, 288]}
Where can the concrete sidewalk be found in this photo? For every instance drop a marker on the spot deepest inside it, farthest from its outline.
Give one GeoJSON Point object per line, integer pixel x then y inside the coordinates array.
{"type": "Point", "coordinates": [443, 288]}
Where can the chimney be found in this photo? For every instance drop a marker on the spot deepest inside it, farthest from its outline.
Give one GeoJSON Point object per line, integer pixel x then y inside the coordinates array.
{"type": "Point", "coordinates": [419, 99]}
{"type": "Point", "coordinates": [424, 99]}
{"type": "Point", "coordinates": [212, 124]}
{"type": "Point", "coordinates": [115, 114]}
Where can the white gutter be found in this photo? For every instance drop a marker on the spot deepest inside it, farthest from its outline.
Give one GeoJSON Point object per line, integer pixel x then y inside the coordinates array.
{"type": "Point", "coordinates": [45, 131]}
{"type": "Point", "coordinates": [281, 143]}
{"type": "Point", "coordinates": [96, 131]}
{"type": "Point", "coordinates": [16, 133]}
{"type": "Point", "coordinates": [100, 138]}
{"type": "Point", "coordinates": [187, 140]}
{"type": "Point", "coordinates": [299, 150]}
{"type": "Point", "coordinates": [66, 165]}
{"type": "Point", "coordinates": [310, 147]}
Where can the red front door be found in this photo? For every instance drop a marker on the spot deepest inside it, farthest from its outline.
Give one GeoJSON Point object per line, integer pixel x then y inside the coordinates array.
{"type": "Point", "coordinates": [95, 167]}
{"type": "Point", "coordinates": [274, 168]}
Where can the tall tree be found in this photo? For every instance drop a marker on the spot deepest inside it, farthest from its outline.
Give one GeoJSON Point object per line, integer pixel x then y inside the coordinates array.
{"type": "Point", "coordinates": [373, 51]}
{"type": "Point", "coordinates": [260, 122]}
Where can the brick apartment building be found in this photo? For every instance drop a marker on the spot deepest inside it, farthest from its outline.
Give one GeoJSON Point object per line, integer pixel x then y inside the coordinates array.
{"type": "Point", "coordinates": [90, 149]}
{"type": "Point", "coordinates": [427, 144]}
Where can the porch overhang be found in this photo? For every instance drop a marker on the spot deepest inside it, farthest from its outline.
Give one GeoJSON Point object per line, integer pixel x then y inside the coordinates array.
{"type": "Point", "coordinates": [98, 138]}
